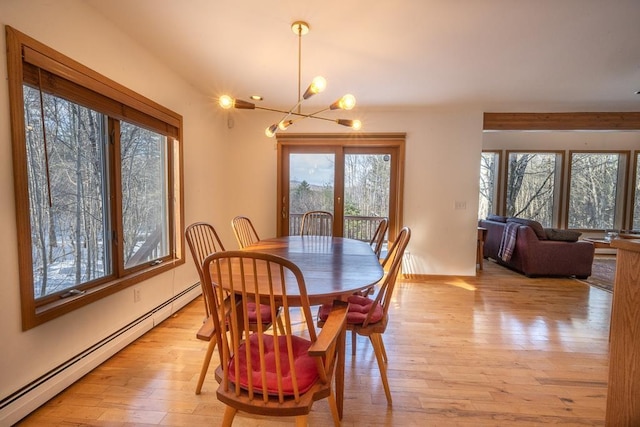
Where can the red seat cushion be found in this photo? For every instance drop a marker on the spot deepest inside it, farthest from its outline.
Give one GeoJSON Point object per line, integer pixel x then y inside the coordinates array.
{"type": "Point", "coordinates": [252, 312]}
{"type": "Point", "coordinates": [304, 365]}
{"type": "Point", "coordinates": [359, 307]}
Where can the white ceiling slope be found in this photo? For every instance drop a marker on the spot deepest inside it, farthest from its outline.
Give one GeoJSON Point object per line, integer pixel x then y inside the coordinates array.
{"type": "Point", "coordinates": [498, 55]}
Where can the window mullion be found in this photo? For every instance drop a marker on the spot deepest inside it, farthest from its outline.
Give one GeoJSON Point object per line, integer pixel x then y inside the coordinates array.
{"type": "Point", "coordinates": [115, 193]}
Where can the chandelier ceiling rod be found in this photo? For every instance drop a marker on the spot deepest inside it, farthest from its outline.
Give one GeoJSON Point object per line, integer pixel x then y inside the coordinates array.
{"type": "Point", "coordinates": [347, 102]}
{"type": "Point", "coordinates": [299, 26]}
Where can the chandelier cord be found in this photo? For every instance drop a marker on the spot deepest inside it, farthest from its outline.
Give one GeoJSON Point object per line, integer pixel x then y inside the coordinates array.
{"type": "Point", "coordinates": [299, 66]}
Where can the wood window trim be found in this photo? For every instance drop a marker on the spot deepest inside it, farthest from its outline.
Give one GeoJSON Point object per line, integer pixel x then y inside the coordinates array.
{"type": "Point", "coordinates": [97, 90]}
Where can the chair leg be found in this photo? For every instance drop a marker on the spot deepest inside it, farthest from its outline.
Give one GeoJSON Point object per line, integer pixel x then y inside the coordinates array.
{"type": "Point", "coordinates": [301, 421]}
{"type": "Point", "coordinates": [205, 363]}
{"type": "Point", "coordinates": [334, 409]}
{"type": "Point", "coordinates": [229, 414]}
{"type": "Point", "coordinates": [384, 350]}
{"type": "Point", "coordinates": [378, 349]}
{"type": "Point", "coordinates": [353, 342]}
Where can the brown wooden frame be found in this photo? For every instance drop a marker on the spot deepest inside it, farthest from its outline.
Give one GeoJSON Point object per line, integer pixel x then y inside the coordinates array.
{"type": "Point", "coordinates": [562, 121]}
{"type": "Point", "coordinates": [86, 87]}
{"type": "Point", "coordinates": [340, 144]}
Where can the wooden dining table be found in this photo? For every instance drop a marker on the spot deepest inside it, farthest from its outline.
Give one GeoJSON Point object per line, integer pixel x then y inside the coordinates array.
{"type": "Point", "coordinates": [333, 268]}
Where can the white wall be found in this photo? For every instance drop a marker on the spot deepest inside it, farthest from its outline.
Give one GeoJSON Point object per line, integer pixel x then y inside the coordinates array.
{"type": "Point", "coordinates": [227, 172]}
{"type": "Point", "coordinates": [442, 166]}
{"type": "Point", "coordinates": [76, 31]}
{"type": "Point", "coordinates": [561, 140]}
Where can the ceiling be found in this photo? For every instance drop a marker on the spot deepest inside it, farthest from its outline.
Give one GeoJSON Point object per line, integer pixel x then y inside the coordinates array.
{"type": "Point", "coordinates": [498, 55]}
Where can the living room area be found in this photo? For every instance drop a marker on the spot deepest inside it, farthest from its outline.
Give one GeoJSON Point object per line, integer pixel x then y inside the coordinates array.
{"type": "Point", "coordinates": [575, 178]}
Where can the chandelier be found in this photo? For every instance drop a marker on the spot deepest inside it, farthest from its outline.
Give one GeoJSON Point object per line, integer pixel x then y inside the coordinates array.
{"type": "Point", "coordinates": [318, 84]}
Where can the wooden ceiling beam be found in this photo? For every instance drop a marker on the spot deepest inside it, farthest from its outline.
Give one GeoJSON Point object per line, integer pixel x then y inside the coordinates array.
{"type": "Point", "coordinates": [562, 121]}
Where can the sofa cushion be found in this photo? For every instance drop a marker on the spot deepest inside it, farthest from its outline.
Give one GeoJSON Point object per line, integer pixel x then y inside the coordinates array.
{"type": "Point", "coordinates": [535, 226]}
{"type": "Point", "coordinates": [497, 218]}
{"type": "Point", "coordinates": [562, 235]}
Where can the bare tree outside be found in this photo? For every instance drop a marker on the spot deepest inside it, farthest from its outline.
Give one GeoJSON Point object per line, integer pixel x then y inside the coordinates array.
{"type": "Point", "coordinates": [593, 190]}
{"type": "Point", "coordinates": [66, 186]}
{"type": "Point", "coordinates": [366, 190]}
{"type": "Point", "coordinates": [366, 193]}
{"type": "Point", "coordinates": [488, 184]}
{"type": "Point", "coordinates": [531, 181]}
{"type": "Point", "coordinates": [144, 194]}
{"type": "Point", "coordinates": [69, 192]}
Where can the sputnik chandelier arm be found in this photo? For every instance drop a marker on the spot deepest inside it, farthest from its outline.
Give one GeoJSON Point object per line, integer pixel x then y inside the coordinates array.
{"type": "Point", "coordinates": [347, 102]}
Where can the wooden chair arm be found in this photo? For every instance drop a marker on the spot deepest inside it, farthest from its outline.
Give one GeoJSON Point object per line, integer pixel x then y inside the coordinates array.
{"type": "Point", "coordinates": [333, 326]}
{"type": "Point", "coordinates": [207, 330]}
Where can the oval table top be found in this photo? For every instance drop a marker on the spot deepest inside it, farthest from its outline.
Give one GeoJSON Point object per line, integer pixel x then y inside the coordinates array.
{"type": "Point", "coordinates": [333, 267]}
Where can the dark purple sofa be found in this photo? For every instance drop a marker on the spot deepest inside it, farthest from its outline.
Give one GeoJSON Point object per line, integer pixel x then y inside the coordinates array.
{"type": "Point", "coordinates": [535, 255]}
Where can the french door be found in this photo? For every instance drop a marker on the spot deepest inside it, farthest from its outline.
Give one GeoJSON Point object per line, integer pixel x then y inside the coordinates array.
{"type": "Point", "coordinates": [358, 181]}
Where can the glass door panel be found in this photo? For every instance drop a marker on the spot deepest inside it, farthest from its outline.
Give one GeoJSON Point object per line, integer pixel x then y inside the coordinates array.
{"type": "Point", "coordinates": [311, 185]}
{"type": "Point", "coordinates": [367, 183]}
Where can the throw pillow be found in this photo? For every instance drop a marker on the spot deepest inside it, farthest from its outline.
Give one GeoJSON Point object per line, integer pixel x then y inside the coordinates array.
{"type": "Point", "coordinates": [497, 218]}
{"type": "Point", "coordinates": [562, 235]}
{"type": "Point", "coordinates": [535, 226]}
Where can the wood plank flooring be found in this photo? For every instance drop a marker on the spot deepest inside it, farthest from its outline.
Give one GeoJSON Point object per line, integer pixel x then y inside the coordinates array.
{"type": "Point", "coordinates": [496, 350]}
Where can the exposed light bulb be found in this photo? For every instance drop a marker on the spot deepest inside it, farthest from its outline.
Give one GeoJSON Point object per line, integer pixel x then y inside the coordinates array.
{"type": "Point", "coordinates": [271, 130]}
{"type": "Point", "coordinates": [318, 84]}
{"type": "Point", "coordinates": [283, 125]}
{"type": "Point", "coordinates": [347, 102]}
{"type": "Point", "coordinates": [226, 102]}
{"type": "Point", "coordinates": [353, 124]}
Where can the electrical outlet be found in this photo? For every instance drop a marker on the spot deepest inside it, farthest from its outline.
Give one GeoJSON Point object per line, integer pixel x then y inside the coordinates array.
{"type": "Point", "coordinates": [136, 294]}
{"type": "Point", "coordinates": [460, 205]}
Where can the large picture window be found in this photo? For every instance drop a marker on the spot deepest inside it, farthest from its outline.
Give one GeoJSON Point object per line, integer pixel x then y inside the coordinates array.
{"type": "Point", "coordinates": [489, 169]}
{"type": "Point", "coordinates": [636, 194]}
{"type": "Point", "coordinates": [596, 190]}
{"type": "Point", "coordinates": [97, 170]}
{"type": "Point", "coordinates": [532, 189]}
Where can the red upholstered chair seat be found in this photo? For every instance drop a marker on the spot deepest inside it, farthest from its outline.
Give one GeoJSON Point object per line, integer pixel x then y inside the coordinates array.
{"type": "Point", "coordinates": [252, 312]}
{"type": "Point", "coordinates": [305, 366]}
{"type": "Point", "coordinates": [359, 307]}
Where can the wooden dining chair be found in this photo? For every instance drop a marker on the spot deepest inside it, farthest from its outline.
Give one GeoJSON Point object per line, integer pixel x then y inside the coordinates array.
{"type": "Point", "coordinates": [203, 241]}
{"type": "Point", "coordinates": [368, 316]}
{"type": "Point", "coordinates": [275, 374]}
{"type": "Point", "coordinates": [376, 243]}
{"type": "Point", "coordinates": [377, 240]}
{"type": "Point", "coordinates": [244, 231]}
{"type": "Point", "coordinates": [317, 223]}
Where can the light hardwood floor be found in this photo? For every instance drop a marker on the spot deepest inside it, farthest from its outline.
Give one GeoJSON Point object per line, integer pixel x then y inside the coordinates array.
{"type": "Point", "coordinates": [496, 350]}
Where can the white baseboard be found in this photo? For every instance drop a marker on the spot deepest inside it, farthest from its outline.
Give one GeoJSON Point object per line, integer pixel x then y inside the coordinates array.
{"type": "Point", "coordinates": [30, 397]}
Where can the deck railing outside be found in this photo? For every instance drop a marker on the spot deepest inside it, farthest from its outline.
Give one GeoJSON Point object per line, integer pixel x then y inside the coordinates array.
{"type": "Point", "coordinates": [355, 227]}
